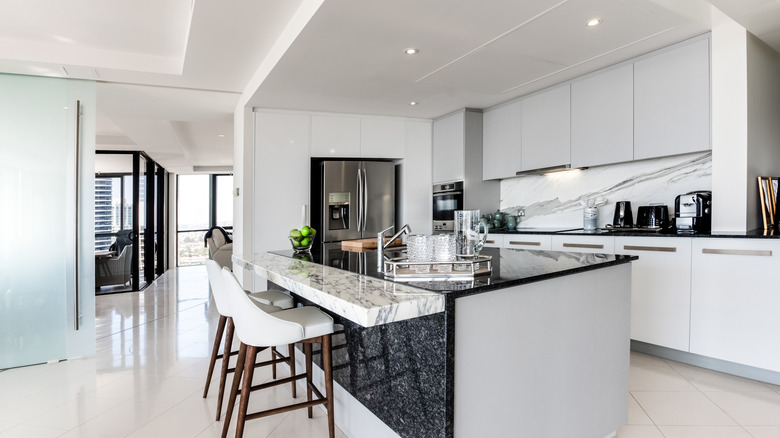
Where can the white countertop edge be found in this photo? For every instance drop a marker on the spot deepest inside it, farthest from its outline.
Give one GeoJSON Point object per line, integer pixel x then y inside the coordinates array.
{"type": "Point", "coordinates": [421, 302]}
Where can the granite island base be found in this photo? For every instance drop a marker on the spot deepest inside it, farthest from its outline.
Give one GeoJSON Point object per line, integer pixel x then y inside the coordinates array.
{"type": "Point", "coordinates": [539, 348]}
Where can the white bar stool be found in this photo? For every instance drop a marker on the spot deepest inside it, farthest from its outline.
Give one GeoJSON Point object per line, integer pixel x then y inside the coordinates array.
{"type": "Point", "coordinates": [257, 330]}
{"type": "Point", "coordinates": [271, 301]}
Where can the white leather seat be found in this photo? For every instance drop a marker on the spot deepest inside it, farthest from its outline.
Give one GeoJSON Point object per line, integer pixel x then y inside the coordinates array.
{"type": "Point", "coordinates": [272, 297]}
{"type": "Point", "coordinates": [257, 329]}
{"type": "Point", "coordinates": [314, 322]}
{"type": "Point", "coordinates": [269, 301]}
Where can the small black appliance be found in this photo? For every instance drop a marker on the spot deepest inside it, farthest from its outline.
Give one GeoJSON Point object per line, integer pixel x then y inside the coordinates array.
{"type": "Point", "coordinates": [693, 212]}
{"type": "Point", "coordinates": [652, 216]}
{"type": "Point", "coordinates": [623, 216]}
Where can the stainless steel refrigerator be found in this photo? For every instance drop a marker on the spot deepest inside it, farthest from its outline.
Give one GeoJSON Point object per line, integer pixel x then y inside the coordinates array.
{"type": "Point", "coordinates": [357, 198]}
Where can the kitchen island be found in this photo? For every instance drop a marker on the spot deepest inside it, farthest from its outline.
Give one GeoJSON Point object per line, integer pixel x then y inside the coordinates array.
{"type": "Point", "coordinates": [540, 347]}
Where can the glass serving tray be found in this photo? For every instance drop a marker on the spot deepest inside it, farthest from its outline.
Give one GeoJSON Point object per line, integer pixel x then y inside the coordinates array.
{"type": "Point", "coordinates": [400, 268]}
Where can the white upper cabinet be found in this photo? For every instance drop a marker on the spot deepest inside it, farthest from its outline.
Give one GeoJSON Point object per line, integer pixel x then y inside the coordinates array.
{"type": "Point", "coordinates": [449, 148]}
{"type": "Point", "coordinates": [335, 136]}
{"type": "Point", "coordinates": [602, 118]}
{"type": "Point", "coordinates": [546, 129]}
{"type": "Point", "coordinates": [672, 102]}
{"type": "Point", "coordinates": [501, 141]}
{"type": "Point", "coordinates": [382, 138]}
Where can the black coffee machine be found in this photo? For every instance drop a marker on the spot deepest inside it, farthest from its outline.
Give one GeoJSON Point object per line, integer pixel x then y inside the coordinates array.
{"type": "Point", "coordinates": [623, 216]}
{"type": "Point", "coordinates": [693, 212]}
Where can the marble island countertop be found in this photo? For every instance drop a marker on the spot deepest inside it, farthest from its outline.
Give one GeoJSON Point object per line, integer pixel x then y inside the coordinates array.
{"type": "Point", "coordinates": [365, 300]}
{"type": "Point", "coordinates": [348, 284]}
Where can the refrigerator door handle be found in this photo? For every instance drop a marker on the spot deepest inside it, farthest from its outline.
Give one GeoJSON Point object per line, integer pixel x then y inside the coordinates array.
{"type": "Point", "coordinates": [359, 200]}
{"type": "Point", "coordinates": [365, 200]}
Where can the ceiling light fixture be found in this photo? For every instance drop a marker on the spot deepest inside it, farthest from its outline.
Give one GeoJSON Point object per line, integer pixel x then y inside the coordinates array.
{"type": "Point", "coordinates": [593, 22]}
{"type": "Point", "coordinates": [221, 135]}
{"type": "Point", "coordinates": [412, 103]}
{"type": "Point", "coordinates": [411, 51]}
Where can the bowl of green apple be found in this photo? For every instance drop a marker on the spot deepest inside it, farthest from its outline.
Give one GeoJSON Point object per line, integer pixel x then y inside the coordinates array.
{"type": "Point", "coordinates": [302, 240]}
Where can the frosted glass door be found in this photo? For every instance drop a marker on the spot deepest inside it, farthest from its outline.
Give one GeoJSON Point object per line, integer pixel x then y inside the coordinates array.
{"type": "Point", "coordinates": [33, 195]}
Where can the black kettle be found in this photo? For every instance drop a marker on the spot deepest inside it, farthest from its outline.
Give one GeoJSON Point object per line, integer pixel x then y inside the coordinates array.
{"type": "Point", "coordinates": [623, 216]}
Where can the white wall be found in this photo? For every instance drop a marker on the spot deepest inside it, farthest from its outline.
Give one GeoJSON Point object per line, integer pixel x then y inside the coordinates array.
{"type": "Point", "coordinates": [416, 206]}
{"type": "Point", "coordinates": [243, 181]}
{"type": "Point", "coordinates": [763, 158]}
{"type": "Point", "coordinates": [477, 194]}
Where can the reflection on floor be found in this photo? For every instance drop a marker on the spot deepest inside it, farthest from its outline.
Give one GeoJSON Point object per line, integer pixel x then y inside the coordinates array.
{"type": "Point", "coordinates": [147, 378]}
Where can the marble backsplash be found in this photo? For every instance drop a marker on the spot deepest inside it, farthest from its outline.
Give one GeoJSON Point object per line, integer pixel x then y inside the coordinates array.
{"type": "Point", "coordinates": [553, 200]}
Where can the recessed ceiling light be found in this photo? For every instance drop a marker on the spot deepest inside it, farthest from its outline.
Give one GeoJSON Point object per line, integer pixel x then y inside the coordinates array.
{"type": "Point", "coordinates": [411, 51]}
{"type": "Point", "coordinates": [593, 22]}
{"type": "Point", "coordinates": [221, 135]}
{"type": "Point", "coordinates": [412, 103]}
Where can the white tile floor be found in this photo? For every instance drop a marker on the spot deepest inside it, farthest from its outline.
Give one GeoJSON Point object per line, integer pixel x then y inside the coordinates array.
{"type": "Point", "coordinates": [147, 378]}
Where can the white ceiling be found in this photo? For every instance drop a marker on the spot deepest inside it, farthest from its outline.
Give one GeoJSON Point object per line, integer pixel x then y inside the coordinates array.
{"type": "Point", "coordinates": [171, 72]}
{"type": "Point", "coordinates": [350, 55]}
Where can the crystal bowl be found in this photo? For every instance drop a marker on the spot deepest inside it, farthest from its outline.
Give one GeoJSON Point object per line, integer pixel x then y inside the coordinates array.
{"type": "Point", "coordinates": [299, 247]}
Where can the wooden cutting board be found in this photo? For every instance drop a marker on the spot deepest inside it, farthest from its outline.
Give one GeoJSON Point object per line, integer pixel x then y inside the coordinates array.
{"type": "Point", "coordinates": [365, 244]}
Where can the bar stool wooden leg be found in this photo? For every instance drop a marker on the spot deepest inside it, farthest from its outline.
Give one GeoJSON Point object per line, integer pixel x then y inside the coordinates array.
{"type": "Point", "coordinates": [225, 364]}
{"type": "Point", "coordinates": [328, 368]}
{"type": "Point", "coordinates": [234, 388]}
{"type": "Point", "coordinates": [309, 382]}
{"type": "Point", "coordinates": [215, 352]}
{"type": "Point", "coordinates": [291, 350]}
{"type": "Point", "coordinates": [274, 355]}
{"type": "Point", "coordinates": [246, 388]}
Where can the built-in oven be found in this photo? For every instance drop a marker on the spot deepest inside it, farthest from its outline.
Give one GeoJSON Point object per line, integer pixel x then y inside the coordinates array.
{"type": "Point", "coordinates": [447, 198]}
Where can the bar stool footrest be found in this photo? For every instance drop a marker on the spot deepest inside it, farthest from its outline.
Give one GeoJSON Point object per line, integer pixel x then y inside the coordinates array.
{"type": "Point", "coordinates": [288, 408]}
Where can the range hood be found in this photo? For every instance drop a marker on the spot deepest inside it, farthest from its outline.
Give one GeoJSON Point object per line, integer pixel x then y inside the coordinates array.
{"type": "Point", "coordinates": [546, 170]}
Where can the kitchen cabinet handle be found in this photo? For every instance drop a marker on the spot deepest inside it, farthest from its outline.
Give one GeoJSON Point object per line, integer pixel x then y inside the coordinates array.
{"type": "Point", "coordinates": [743, 252]}
{"type": "Point", "coordinates": [516, 242]}
{"type": "Point", "coordinates": [649, 248]}
{"type": "Point", "coordinates": [583, 245]}
{"type": "Point", "coordinates": [490, 241]}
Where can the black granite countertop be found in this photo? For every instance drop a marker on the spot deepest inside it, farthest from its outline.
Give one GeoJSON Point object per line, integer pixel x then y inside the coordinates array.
{"type": "Point", "coordinates": [510, 267]}
{"type": "Point", "coordinates": [636, 232]}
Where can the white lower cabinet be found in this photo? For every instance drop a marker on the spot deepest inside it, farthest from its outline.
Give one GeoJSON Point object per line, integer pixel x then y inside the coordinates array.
{"type": "Point", "coordinates": [735, 301]}
{"type": "Point", "coordinates": [590, 244]}
{"type": "Point", "coordinates": [660, 289]}
{"type": "Point", "coordinates": [539, 242]}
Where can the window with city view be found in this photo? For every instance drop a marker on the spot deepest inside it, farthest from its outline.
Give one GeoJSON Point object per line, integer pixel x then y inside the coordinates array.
{"type": "Point", "coordinates": [203, 201]}
{"type": "Point", "coordinates": [113, 211]}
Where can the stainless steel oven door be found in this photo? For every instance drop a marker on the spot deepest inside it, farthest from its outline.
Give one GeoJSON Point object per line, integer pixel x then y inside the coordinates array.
{"type": "Point", "coordinates": [444, 205]}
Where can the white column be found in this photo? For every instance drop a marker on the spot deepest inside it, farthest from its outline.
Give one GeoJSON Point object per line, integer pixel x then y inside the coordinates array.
{"type": "Point", "coordinates": [729, 124]}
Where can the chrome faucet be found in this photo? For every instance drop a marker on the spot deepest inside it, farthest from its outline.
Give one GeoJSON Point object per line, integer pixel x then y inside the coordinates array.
{"type": "Point", "coordinates": [381, 245]}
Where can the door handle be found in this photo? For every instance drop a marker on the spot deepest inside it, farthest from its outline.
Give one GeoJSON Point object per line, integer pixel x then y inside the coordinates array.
{"type": "Point", "coordinates": [77, 147]}
{"type": "Point", "coordinates": [365, 199]}
{"type": "Point", "coordinates": [359, 201]}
